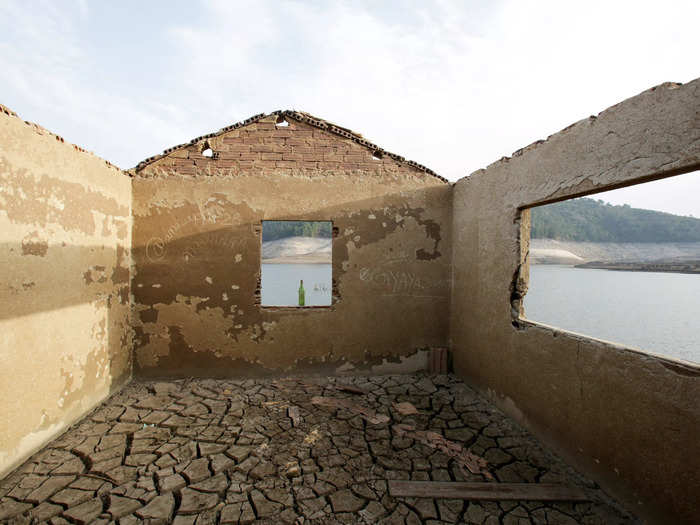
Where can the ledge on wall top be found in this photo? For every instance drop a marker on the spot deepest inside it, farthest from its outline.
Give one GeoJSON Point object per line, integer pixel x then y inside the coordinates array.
{"type": "Point", "coordinates": [589, 120]}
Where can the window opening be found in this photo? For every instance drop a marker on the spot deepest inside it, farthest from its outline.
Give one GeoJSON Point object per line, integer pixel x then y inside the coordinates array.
{"type": "Point", "coordinates": [622, 266]}
{"type": "Point", "coordinates": [295, 263]}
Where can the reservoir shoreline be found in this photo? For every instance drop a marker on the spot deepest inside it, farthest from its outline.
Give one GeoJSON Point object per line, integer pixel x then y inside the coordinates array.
{"type": "Point", "coordinates": [657, 267]}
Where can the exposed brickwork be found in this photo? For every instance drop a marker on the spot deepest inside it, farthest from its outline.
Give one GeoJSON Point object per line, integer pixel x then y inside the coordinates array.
{"type": "Point", "coordinates": [306, 144]}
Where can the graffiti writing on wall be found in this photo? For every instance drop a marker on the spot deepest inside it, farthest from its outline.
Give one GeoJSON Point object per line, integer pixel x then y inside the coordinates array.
{"type": "Point", "coordinates": [392, 280]}
{"type": "Point", "coordinates": [224, 240]}
{"type": "Point", "coordinates": [156, 247]}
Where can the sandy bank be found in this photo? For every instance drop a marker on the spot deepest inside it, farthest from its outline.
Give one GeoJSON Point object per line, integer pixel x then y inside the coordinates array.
{"type": "Point", "coordinates": [297, 250]}
{"type": "Point", "coordinates": [550, 251]}
{"type": "Point", "coordinates": [299, 259]}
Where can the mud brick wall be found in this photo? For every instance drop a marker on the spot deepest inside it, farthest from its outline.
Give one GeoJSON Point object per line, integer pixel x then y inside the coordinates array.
{"type": "Point", "coordinates": [629, 418]}
{"type": "Point", "coordinates": [65, 344]}
{"type": "Point", "coordinates": [197, 242]}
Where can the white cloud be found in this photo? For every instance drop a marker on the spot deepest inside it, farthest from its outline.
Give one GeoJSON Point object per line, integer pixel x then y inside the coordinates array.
{"type": "Point", "coordinates": [452, 85]}
{"type": "Point", "coordinates": [52, 78]}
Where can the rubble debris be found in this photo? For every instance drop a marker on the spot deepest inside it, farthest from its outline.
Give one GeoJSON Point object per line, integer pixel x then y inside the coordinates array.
{"type": "Point", "coordinates": [293, 470]}
{"type": "Point", "coordinates": [231, 452]}
{"type": "Point", "coordinates": [405, 408]}
{"type": "Point", "coordinates": [464, 458]}
{"type": "Point", "coordinates": [294, 415]}
{"type": "Point", "coordinates": [312, 437]}
{"type": "Point", "coordinates": [365, 413]}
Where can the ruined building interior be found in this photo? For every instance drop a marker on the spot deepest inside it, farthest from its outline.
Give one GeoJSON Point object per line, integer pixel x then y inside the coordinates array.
{"type": "Point", "coordinates": [142, 379]}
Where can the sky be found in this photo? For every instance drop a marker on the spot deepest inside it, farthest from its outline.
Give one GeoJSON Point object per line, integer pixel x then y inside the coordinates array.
{"type": "Point", "coordinates": [451, 85]}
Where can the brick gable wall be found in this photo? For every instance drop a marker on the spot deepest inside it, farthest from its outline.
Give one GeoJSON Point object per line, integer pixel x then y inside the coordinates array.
{"type": "Point", "coordinates": [296, 149]}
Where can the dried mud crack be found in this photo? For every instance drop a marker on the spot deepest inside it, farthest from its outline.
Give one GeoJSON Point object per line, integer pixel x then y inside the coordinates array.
{"type": "Point", "coordinates": [290, 451]}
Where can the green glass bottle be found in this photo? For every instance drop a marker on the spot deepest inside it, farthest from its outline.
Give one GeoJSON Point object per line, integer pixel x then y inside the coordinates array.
{"type": "Point", "coordinates": [302, 293]}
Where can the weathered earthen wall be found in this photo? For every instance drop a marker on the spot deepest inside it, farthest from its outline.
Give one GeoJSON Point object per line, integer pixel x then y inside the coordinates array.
{"type": "Point", "coordinates": [64, 293]}
{"type": "Point", "coordinates": [197, 240]}
{"type": "Point", "coordinates": [631, 419]}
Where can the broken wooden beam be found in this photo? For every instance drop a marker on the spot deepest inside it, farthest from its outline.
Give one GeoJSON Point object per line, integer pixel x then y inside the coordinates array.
{"type": "Point", "coordinates": [294, 415]}
{"type": "Point", "coordinates": [488, 491]}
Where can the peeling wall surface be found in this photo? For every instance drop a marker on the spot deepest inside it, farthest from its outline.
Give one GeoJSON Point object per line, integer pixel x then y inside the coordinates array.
{"type": "Point", "coordinates": [630, 419]}
{"type": "Point", "coordinates": [417, 264]}
{"type": "Point", "coordinates": [64, 294]}
{"type": "Point", "coordinates": [197, 242]}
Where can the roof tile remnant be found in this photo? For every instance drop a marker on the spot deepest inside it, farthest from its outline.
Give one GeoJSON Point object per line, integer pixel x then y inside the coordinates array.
{"type": "Point", "coordinates": [306, 118]}
{"type": "Point", "coordinates": [7, 111]}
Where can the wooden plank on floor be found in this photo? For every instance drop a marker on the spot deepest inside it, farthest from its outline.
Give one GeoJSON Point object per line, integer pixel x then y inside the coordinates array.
{"type": "Point", "coordinates": [488, 491]}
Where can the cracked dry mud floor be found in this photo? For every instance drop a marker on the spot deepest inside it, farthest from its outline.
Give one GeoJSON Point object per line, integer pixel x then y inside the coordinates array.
{"type": "Point", "coordinates": [226, 451]}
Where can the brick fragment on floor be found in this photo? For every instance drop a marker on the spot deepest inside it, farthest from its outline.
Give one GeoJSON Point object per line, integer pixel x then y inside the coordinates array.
{"type": "Point", "coordinates": [256, 451]}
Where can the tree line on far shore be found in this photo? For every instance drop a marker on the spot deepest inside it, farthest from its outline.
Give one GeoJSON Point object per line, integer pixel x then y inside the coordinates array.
{"type": "Point", "coordinates": [273, 230]}
{"type": "Point", "coordinates": [591, 220]}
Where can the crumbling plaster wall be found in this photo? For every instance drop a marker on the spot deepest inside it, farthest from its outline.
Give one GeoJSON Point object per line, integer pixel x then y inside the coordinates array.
{"type": "Point", "coordinates": [197, 240]}
{"type": "Point", "coordinates": [630, 419]}
{"type": "Point", "coordinates": [64, 295]}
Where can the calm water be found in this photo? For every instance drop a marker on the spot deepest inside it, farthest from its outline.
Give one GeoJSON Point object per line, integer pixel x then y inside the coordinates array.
{"type": "Point", "coordinates": [280, 284]}
{"type": "Point", "coordinates": [657, 312]}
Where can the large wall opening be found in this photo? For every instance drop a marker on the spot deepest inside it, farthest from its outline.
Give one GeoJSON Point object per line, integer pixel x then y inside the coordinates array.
{"type": "Point", "coordinates": [295, 264]}
{"type": "Point", "coordinates": [622, 266]}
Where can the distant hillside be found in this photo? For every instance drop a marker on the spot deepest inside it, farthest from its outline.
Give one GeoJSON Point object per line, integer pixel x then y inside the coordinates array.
{"type": "Point", "coordinates": [273, 230]}
{"type": "Point", "coordinates": [596, 221]}
{"type": "Point", "coordinates": [550, 251]}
